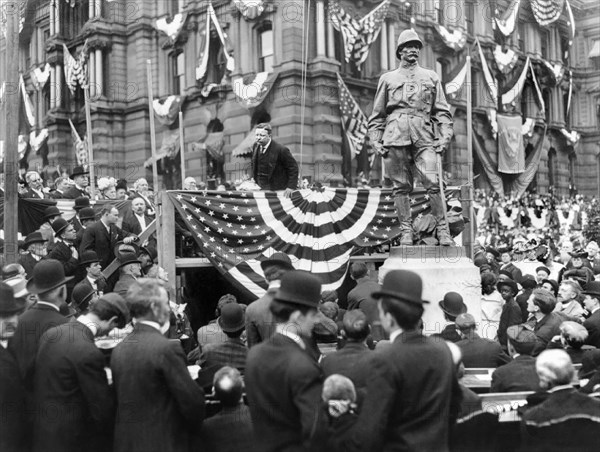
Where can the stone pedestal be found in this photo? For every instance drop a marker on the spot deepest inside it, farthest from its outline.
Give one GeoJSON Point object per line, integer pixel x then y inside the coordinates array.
{"type": "Point", "coordinates": [443, 269]}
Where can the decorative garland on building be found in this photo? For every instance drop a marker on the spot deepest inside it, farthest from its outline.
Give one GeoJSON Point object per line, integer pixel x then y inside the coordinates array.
{"type": "Point", "coordinates": [36, 141]}
{"type": "Point", "coordinates": [570, 22]}
{"type": "Point", "coordinates": [173, 28]}
{"type": "Point", "coordinates": [570, 91]}
{"type": "Point", "coordinates": [506, 23]}
{"type": "Point", "coordinates": [201, 70]}
{"type": "Point", "coordinates": [358, 35]}
{"type": "Point", "coordinates": [250, 9]}
{"type": "Point", "coordinates": [572, 137]}
{"type": "Point", "coordinates": [538, 91]}
{"type": "Point", "coordinates": [455, 85]}
{"type": "Point", "coordinates": [167, 110]}
{"type": "Point", "coordinates": [455, 40]}
{"type": "Point", "coordinates": [510, 96]}
{"type": "Point", "coordinates": [27, 103]}
{"type": "Point", "coordinates": [490, 81]}
{"type": "Point", "coordinates": [505, 61]}
{"type": "Point", "coordinates": [557, 70]}
{"type": "Point", "coordinates": [251, 91]}
{"type": "Point", "coordinates": [39, 77]}
{"type": "Point", "coordinates": [547, 11]}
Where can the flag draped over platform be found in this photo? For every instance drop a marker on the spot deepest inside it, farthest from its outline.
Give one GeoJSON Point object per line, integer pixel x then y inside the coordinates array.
{"type": "Point", "coordinates": [319, 230]}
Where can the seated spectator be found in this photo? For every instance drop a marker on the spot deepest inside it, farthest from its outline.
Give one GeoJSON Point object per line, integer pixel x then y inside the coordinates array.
{"type": "Point", "coordinates": [562, 404]}
{"type": "Point", "coordinates": [579, 272]}
{"type": "Point", "coordinates": [591, 302]}
{"type": "Point", "coordinates": [477, 351]}
{"type": "Point", "coordinates": [212, 333]}
{"type": "Point", "coordinates": [121, 189]}
{"type": "Point", "coordinates": [232, 352]}
{"type": "Point", "coordinates": [519, 374]}
{"type": "Point", "coordinates": [35, 186]}
{"type": "Point", "coordinates": [541, 305]}
{"type": "Point", "coordinates": [352, 360]}
{"type": "Point", "coordinates": [230, 430]}
{"type": "Point", "coordinates": [107, 188]}
{"type": "Point", "coordinates": [569, 293]}
{"type": "Point", "coordinates": [528, 283]}
{"type": "Point", "coordinates": [511, 312]}
{"type": "Point", "coordinates": [452, 306]}
{"type": "Point", "coordinates": [129, 272]}
{"type": "Point", "coordinates": [572, 339]}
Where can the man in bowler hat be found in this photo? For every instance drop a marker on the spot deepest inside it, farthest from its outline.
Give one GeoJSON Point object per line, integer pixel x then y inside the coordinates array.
{"type": "Point", "coordinates": [283, 380]}
{"type": "Point", "coordinates": [413, 395]}
{"type": "Point", "coordinates": [79, 175]}
{"type": "Point", "coordinates": [13, 421]}
{"type": "Point", "coordinates": [452, 306]}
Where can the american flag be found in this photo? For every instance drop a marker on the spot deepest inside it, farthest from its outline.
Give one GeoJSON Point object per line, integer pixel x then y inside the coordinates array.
{"type": "Point", "coordinates": [75, 68]}
{"type": "Point", "coordinates": [81, 151]}
{"type": "Point", "coordinates": [358, 34]}
{"type": "Point", "coordinates": [318, 229]}
{"type": "Point", "coordinates": [354, 121]}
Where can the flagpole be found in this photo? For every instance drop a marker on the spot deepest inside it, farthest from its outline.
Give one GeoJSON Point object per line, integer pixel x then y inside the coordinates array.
{"type": "Point", "coordinates": [10, 114]}
{"type": "Point", "coordinates": [470, 155]}
{"type": "Point", "coordinates": [154, 164]}
{"type": "Point", "coordinates": [181, 149]}
{"type": "Point", "coordinates": [90, 146]}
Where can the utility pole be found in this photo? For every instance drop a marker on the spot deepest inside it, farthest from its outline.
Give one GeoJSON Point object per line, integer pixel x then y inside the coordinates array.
{"type": "Point", "coordinates": [11, 128]}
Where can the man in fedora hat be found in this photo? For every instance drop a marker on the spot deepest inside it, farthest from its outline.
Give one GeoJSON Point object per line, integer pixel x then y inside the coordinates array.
{"type": "Point", "coordinates": [413, 395]}
{"type": "Point", "coordinates": [159, 406]}
{"type": "Point", "coordinates": [411, 123]}
{"type": "Point", "coordinates": [70, 378]}
{"type": "Point", "coordinates": [452, 306]}
{"type": "Point", "coordinates": [35, 251]}
{"type": "Point", "coordinates": [80, 203]}
{"type": "Point", "coordinates": [478, 351]}
{"type": "Point", "coordinates": [260, 324]}
{"type": "Point", "coordinates": [129, 271]}
{"type": "Point", "coordinates": [87, 217]}
{"type": "Point", "coordinates": [591, 303]}
{"type": "Point", "coordinates": [286, 415]}
{"type": "Point", "coordinates": [79, 175]}
{"type": "Point", "coordinates": [14, 429]}
{"type": "Point", "coordinates": [233, 351]}
{"type": "Point", "coordinates": [89, 263]}
{"type": "Point", "coordinates": [51, 213]}
{"type": "Point", "coordinates": [49, 283]}
{"type": "Point", "coordinates": [511, 312]}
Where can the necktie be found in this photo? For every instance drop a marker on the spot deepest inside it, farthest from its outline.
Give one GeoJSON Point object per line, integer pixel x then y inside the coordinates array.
{"type": "Point", "coordinates": [263, 149]}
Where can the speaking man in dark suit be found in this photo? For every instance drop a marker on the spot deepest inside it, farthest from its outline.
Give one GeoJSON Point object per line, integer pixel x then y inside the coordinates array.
{"type": "Point", "coordinates": [283, 380]}
{"type": "Point", "coordinates": [158, 403]}
{"type": "Point", "coordinates": [273, 166]}
{"type": "Point", "coordinates": [136, 220]}
{"type": "Point", "coordinates": [104, 234]}
{"type": "Point", "coordinates": [71, 382]}
{"type": "Point", "coordinates": [49, 283]}
{"type": "Point", "coordinates": [413, 395]}
{"type": "Point", "coordinates": [14, 429]}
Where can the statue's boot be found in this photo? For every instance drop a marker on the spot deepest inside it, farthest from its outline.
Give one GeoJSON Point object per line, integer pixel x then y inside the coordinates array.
{"type": "Point", "coordinates": [403, 210]}
{"type": "Point", "coordinates": [437, 210]}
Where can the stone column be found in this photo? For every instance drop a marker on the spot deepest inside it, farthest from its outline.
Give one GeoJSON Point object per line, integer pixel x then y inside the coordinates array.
{"type": "Point", "coordinates": [99, 72]}
{"type": "Point", "coordinates": [383, 49]}
{"type": "Point", "coordinates": [92, 74]}
{"type": "Point", "coordinates": [52, 87]}
{"type": "Point", "coordinates": [52, 17]}
{"type": "Point", "coordinates": [391, 36]}
{"type": "Point", "coordinates": [330, 40]}
{"type": "Point", "coordinates": [58, 85]}
{"type": "Point", "coordinates": [320, 23]}
{"type": "Point", "coordinates": [91, 8]}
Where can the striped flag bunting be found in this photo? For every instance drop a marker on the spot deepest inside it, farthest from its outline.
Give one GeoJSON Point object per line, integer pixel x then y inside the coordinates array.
{"type": "Point", "coordinates": [358, 34]}
{"type": "Point", "coordinates": [547, 11]}
{"type": "Point", "coordinates": [318, 229]}
{"type": "Point", "coordinates": [81, 151]}
{"type": "Point", "coordinates": [354, 121]}
{"type": "Point", "coordinates": [75, 68]}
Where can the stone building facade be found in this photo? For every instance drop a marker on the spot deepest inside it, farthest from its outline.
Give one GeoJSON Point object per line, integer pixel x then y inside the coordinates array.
{"type": "Point", "coordinates": [301, 45]}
